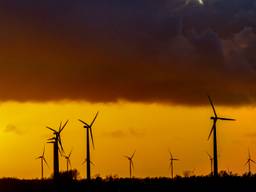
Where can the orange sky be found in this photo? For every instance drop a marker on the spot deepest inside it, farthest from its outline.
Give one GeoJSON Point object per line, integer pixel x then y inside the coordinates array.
{"type": "Point", "coordinates": [145, 65]}
{"type": "Point", "coordinates": [121, 128]}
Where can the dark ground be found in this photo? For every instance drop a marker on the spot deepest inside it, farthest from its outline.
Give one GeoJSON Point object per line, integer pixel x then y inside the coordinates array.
{"type": "Point", "coordinates": [198, 184]}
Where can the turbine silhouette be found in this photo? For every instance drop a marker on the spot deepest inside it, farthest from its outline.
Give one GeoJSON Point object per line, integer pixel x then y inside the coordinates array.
{"type": "Point", "coordinates": [89, 134]}
{"type": "Point", "coordinates": [131, 165]}
{"type": "Point", "coordinates": [57, 147]}
{"type": "Point", "coordinates": [43, 160]}
{"type": "Point", "coordinates": [68, 162]}
{"type": "Point", "coordinates": [248, 162]}
{"type": "Point", "coordinates": [215, 118]}
{"type": "Point", "coordinates": [211, 160]}
{"type": "Point", "coordinates": [172, 159]}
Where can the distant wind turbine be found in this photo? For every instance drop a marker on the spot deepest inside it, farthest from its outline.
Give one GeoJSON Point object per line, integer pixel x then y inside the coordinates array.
{"type": "Point", "coordinates": [172, 159]}
{"type": "Point", "coordinates": [131, 165]}
{"type": "Point", "coordinates": [43, 160]}
{"type": "Point", "coordinates": [248, 162]}
{"type": "Point", "coordinates": [57, 147]}
{"type": "Point", "coordinates": [211, 160]}
{"type": "Point", "coordinates": [215, 118]}
{"type": "Point", "coordinates": [68, 162]}
{"type": "Point", "coordinates": [89, 134]}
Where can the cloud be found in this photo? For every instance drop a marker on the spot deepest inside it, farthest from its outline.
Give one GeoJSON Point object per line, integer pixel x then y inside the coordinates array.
{"type": "Point", "coordinates": [12, 129]}
{"type": "Point", "coordinates": [116, 134]}
{"type": "Point", "coordinates": [124, 133]}
{"type": "Point", "coordinates": [142, 51]}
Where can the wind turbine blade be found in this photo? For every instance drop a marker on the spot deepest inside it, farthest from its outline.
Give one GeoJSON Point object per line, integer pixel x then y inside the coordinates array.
{"type": "Point", "coordinates": [46, 162]}
{"type": "Point", "coordinates": [132, 164]}
{"type": "Point", "coordinates": [60, 126]}
{"type": "Point", "coordinates": [175, 159]}
{"type": "Point", "coordinates": [211, 131]}
{"type": "Point", "coordinates": [92, 137]}
{"type": "Point", "coordinates": [70, 153]}
{"type": "Point", "coordinates": [38, 157]}
{"type": "Point", "coordinates": [51, 142]}
{"type": "Point", "coordinates": [226, 119]}
{"type": "Point", "coordinates": [247, 162]}
{"type": "Point", "coordinates": [63, 126]}
{"type": "Point", "coordinates": [94, 119]}
{"type": "Point", "coordinates": [51, 129]}
{"type": "Point", "coordinates": [52, 138]}
{"type": "Point", "coordinates": [60, 142]}
{"type": "Point", "coordinates": [69, 162]}
{"type": "Point", "coordinates": [209, 155]}
{"type": "Point", "coordinates": [125, 156]}
{"type": "Point", "coordinates": [43, 151]}
{"type": "Point", "coordinates": [214, 111]}
{"type": "Point", "coordinates": [84, 162]}
{"type": "Point", "coordinates": [171, 155]}
{"type": "Point", "coordinates": [83, 122]}
{"type": "Point", "coordinates": [253, 161]}
{"type": "Point", "coordinates": [92, 163]}
{"type": "Point", "coordinates": [133, 155]}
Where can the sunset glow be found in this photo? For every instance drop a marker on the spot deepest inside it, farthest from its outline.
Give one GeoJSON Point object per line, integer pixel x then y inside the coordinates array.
{"type": "Point", "coordinates": [146, 66]}
{"type": "Point", "coordinates": [151, 129]}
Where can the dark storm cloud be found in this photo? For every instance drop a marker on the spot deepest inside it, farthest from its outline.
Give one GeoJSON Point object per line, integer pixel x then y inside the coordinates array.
{"type": "Point", "coordinates": [147, 51]}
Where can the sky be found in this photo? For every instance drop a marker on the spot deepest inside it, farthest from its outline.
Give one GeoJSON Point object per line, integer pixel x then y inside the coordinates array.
{"type": "Point", "coordinates": [147, 66]}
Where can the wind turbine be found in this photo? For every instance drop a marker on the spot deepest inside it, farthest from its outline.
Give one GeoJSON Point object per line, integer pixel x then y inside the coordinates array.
{"type": "Point", "coordinates": [68, 162]}
{"type": "Point", "coordinates": [172, 159]}
{"type": "Point", "coordinates": [211, 160]}
{"type": "Point", "coordinates": [248, 162]}
{"type": "Point", "coordinates": [131, 165]}
{"type": "Point", "coordinates": [88, 135]}
{"type": "Point", "coordinates": [215, 118]}
{"type": "Point", "coordinates": [43, 160]}
{"type": "Point", "coordinates": [57, 147]}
